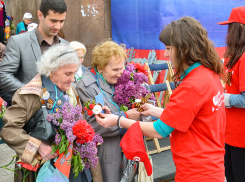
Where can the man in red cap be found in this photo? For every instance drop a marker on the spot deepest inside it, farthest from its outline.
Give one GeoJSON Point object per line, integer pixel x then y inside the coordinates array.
{"type": "Point", "coordinates": [235, 96]}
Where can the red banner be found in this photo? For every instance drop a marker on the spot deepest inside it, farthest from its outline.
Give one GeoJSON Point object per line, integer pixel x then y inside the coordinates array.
{"type": "Point", "coordinates": [63, 164]}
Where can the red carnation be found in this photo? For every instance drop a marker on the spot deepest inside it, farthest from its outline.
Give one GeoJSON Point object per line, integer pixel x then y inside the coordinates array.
{"type": "Point", "coordinates": [91, 106]}
{"type": "Point", "coordinates": [83, 131]}
{"type": "Point", "coordinates": [90, 112]}
{"type": "Point", "coordinates": [85, 108]}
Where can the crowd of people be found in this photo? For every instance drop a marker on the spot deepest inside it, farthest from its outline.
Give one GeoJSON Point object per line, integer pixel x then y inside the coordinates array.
{"type": "Point", "coordinates": [203, 119]}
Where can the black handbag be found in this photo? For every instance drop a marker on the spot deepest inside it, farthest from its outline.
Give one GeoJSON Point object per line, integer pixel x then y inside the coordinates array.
{"type": "Point", "coordinates": [39, 127]}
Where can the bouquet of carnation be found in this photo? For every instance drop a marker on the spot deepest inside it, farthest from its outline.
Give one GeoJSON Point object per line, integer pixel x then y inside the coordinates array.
{"type": "Point", "coordinates": [3, 106]}
{"type": "Point", "coordinates": [129, 86]}
{"type": "Point", "coordinates": [75, 137]}
{"type": "Point", "coordinates": [92, 108]}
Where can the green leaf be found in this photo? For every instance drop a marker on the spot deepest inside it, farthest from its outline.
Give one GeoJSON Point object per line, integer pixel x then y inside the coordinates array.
{"type": "Point", "coordinates": [53, 149]}
{"type": "Point", "coordinates": [63, 138]}
{"type": "Point", "coordinates": [75, 176]}
{"type": "Point", "coordinates": [123, 108]}
{"type": "Point", "coordinates": [132, 78]}
{"type": "Point", "coordinates": [76, 161]}
{"type": "Point", "coordinates": [62, 149]}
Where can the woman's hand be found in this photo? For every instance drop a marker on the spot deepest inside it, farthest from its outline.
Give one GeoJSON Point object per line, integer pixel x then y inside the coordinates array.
{"type": "Point", "coordinates": [133, 114]}
{"type": "Point", "coordinates": [148, 109]}
{"type": "Point", "coordinates": [45, 151]}
{"type": "Point", "coordinates": [108, 121]}
{"type": "Point", "coordinates": [106, 109]}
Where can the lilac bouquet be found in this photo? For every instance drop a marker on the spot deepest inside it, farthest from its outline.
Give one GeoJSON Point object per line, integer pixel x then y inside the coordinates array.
{"type": "Point", "coordinates": [72, 130]}
{"type": "Point", "coordinates": [130, 87]}
{"type": "Point", "coordinates": [3, 107]}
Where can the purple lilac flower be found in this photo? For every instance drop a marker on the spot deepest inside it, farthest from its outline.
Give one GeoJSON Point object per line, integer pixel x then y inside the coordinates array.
{"type": "Point", "coordinates": [130, 67]}
{"type": "Point", "coordinates": [129, 87]}
{"type": "Point", "coordinates": [50, 117]}
{"type": "Point", "coordinates": [57, 139]}
{"type": "Point", "coordinates": [66, 119]}
{"type": "Point", "coordinates": [5, 104]}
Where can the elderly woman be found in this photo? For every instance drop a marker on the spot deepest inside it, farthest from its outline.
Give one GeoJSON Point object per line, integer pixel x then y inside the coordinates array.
{"type": "Point", "coordinates": [22, 26]}
{"type": "Point", "coordinates": [80, 49]}
{"type": "Point", "coordinates": [56, 68]}
{"type": "Point", "coordinates": [107, 66]}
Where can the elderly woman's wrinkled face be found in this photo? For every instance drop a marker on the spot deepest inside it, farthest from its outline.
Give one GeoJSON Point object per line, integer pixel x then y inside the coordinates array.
{"type": "Point", "coordinates": [27, 21]}
{"type": "Point", "coordinates": [80, 55]}
{"type": "Point", "coordinates": [113, 70]}
{"type": "Point", "coordinates": [64, 76]}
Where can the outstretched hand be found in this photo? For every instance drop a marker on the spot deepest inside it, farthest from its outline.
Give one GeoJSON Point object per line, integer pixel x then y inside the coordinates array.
{"type": "Point", "coordinates": [133, 114]}
{"type": "Point", "coordinates": [148, 109]}
{"type": "Point", "coordinates": [106, 109]}
{"type": "Point", "coordinates": [108, 120]}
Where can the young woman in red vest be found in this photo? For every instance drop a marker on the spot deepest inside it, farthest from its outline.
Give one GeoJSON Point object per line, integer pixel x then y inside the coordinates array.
{"type": "Point", "coordinates": [195, 115]}
{"type": "Point", "coordinates": [235, 96]}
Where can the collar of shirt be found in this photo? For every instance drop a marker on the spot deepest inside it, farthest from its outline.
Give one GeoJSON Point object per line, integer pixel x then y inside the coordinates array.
{"type": "Point", "coordinates": [41, 39]}
{"type": "Point", "coordinates": [79, 72]}
{"type": "Point", "coordinates": [188, 70]}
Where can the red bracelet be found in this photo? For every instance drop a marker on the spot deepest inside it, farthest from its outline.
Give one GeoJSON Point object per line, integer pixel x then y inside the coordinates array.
{"type": "Point", "coordinates": [126, 115]}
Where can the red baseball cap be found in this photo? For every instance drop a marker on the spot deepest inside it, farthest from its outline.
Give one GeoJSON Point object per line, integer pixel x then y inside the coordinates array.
{"type": "Point", "coordinates": [237, 15]}
{"type": "Point", "coordinates": [133, 147]}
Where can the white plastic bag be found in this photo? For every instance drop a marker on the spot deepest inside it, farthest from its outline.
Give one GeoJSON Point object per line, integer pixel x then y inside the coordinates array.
{"type": "Point", "coordinates": [48, 173]}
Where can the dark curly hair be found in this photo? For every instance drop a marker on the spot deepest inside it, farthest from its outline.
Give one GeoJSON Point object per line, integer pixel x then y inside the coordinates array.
{"type": "Point", "coordinates": [192, 45]}
{"type": "Point", "coordinates": [58, 6]}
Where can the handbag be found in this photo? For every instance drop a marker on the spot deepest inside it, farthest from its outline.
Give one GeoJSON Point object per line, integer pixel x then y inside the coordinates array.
{"type": "Point", "coordinates": [142, 176]}
{"type": "Point", "coordinates": [130, 169]}
{"type": "Point", "coordinates": [39, 127]}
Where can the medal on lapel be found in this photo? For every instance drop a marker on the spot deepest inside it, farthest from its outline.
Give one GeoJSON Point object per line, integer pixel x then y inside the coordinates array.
{"type": "Point", "coordinates": [46, 95]}
{"type": "Point", "coordinates": [59, 102]}
{"type": "Point", "coordinates": [49, 105]}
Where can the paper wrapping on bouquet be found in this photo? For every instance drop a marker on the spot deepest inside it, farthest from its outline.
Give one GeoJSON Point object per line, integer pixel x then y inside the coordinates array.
{"type": "Point", "coordinates": [29, 166]}
{"type": "Point", "coordinates": [63, 163]}
{"type": "Point", "coordinates": [143, 101]}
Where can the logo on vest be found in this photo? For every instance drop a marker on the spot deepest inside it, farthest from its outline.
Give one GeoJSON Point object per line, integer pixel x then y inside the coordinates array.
{"type": "Point", "coordinates": [217, 100]}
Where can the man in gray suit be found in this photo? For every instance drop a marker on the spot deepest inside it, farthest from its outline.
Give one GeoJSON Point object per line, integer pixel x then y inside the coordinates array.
{"type": "Point", "coordinates": [18, 66]}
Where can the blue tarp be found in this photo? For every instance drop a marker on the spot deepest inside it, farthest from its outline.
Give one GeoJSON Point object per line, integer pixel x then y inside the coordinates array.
{"type": "Point", "coordinates": [138, 23]}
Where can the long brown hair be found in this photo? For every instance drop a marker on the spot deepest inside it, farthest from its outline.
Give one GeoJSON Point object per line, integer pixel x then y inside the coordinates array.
{"type": "Point", "coordinates": [192, 45]}
{"type": "Point", "coordinates": [235, 43]}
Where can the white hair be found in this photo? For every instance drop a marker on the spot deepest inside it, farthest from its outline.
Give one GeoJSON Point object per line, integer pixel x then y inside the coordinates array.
{"type": "Point", "coordinates": [75, 45]}
{"type": "Point", "coordinates": [55, 57]}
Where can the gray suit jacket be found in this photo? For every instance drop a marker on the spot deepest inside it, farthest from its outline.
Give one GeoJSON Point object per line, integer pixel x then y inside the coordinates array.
{"type": "Point", "coordinates": [109, 152]}
{"type": "Point", "coordinates": [18, 66]}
